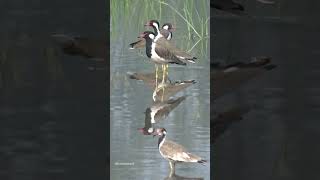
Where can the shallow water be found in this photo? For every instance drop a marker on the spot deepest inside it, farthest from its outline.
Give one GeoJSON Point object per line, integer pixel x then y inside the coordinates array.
{"type": "Point", "coordinates": [187, 124]}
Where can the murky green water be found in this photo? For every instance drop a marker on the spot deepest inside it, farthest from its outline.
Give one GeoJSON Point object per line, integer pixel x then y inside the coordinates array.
{"type": "Point", "coordinates": [136, 156]}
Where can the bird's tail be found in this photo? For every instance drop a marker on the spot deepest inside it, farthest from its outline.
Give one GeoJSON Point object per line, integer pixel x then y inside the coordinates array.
{"type": "Point", "coordinates": [192, 60]}
{"type": "Point", "coordinates": [269, 67]}
{"type": "Point", "coordinates": [202, 161]}
{"type": "Point", "coordinates": [179, 62]}
{"type": "Point", "coordinates": [132, 45]}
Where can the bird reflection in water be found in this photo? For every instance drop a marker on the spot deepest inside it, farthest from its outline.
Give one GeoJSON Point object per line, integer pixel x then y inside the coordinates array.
{"type": "Point", "coordinates": [173, 176]}
{"type": "Point", "coordinates": [94, 50]}
{"type": "Point", "coordinates": [225, 119]}
{"type": "Point", "coordinates": [226, 78]}
{"type": "Point", "coordinates": [165, 90]}
{"type": "Point", "coordinates": [159, 111]}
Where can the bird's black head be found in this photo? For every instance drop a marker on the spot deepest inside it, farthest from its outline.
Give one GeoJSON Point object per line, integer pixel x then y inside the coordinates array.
{"type": "Point", "coordinates": [147, 35]}
{"type": "Point", "coordinates": [168, 26]}
{"type": "Point", "coordinates": [160, 132]}
{"type": "Point", "coordinates": [153, 23]}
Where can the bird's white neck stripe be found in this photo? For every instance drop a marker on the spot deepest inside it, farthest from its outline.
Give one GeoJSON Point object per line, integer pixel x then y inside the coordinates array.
{"type": "Point", "coordinates": [157, 37]}
{"type": "Point", "coordinates": [169, 37]}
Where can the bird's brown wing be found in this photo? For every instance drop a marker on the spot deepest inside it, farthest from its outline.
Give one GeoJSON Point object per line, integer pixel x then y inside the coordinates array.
{"type": "Point", "coordinates": [178, 52]}
{"type": "Point", "coordinates": [168, 55]}
{"type": "Point", "coordinates": [177, 152]}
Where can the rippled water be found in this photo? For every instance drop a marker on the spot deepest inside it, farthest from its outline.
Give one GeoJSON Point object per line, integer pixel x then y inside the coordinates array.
{"type": "Point", "coordinates": [188, 124]}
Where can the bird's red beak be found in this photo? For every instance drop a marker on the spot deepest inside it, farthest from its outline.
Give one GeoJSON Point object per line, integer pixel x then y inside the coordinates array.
{"type": "Point", "coordinates": [141, 35]}
{"type": "Point", "coordinates": [140, 130]}
{"type": "Point", "coordinates": [172, 29]}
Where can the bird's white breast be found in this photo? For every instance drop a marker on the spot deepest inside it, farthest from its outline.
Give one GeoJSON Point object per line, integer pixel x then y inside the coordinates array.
{"type": "Point", "coordinates": [154, 55]}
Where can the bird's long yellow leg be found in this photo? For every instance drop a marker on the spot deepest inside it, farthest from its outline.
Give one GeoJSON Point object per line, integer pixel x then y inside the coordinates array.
{"type": "Point", "coordinates": [156, 75]}
{"type": "Point", "coordinates": [167, 69]}
{"type": "Point", "coordinates": [163, 72]}
{"type": "Point", "coordinates": [163, 80]}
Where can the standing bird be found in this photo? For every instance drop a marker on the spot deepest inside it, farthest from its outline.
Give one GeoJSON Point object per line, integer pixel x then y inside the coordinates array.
{"type": "Point", "coordinates": [160, 39]}
{"type": "Point", "coordinates": [162, 52]}
{"type": "Point", "coordinates": [158, 53]}
{"type": "Point", "coordinates": [166, 32]}
{"type": "Point", "coordinates": [174, 152]}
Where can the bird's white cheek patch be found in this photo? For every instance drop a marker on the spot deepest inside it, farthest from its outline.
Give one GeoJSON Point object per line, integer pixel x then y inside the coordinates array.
{"type": "Point", "coordinates": [151, 36]}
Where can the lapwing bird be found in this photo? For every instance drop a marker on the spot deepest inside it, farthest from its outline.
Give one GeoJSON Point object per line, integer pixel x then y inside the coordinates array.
{"type": "Point", "coordinates": [166, 32]}
{"type": "Point", "coordinates": [158, 112]}
{"type": "Point", "coordinates": [174, 152]}
{"type": "Point", "coordinates": [225, 119]}
{"type": "Point", "coordinates": [227, 78]}
{"type": "Point", "coordinates": [160, 39]}
{"type": "Point", "coordinates": [159, 54]}
{"type": "Point", "coordinates": [227, 6]}
{"type": "Point", "coordinates": [162, 52]}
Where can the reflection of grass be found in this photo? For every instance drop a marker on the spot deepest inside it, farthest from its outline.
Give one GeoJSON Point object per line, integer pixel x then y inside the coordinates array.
{"type": "Point", "coordinates": [131, 14]}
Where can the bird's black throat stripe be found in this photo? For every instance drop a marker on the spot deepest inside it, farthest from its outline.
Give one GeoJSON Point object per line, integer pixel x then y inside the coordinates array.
{"type": "Point", "coordinates": [161, 139]}
{"type": "Point", "coordinates": [148, 47]}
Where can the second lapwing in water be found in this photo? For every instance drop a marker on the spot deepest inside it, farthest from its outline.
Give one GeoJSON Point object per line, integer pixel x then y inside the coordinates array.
{"type": "Point", "coordinates": [174, 152]}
